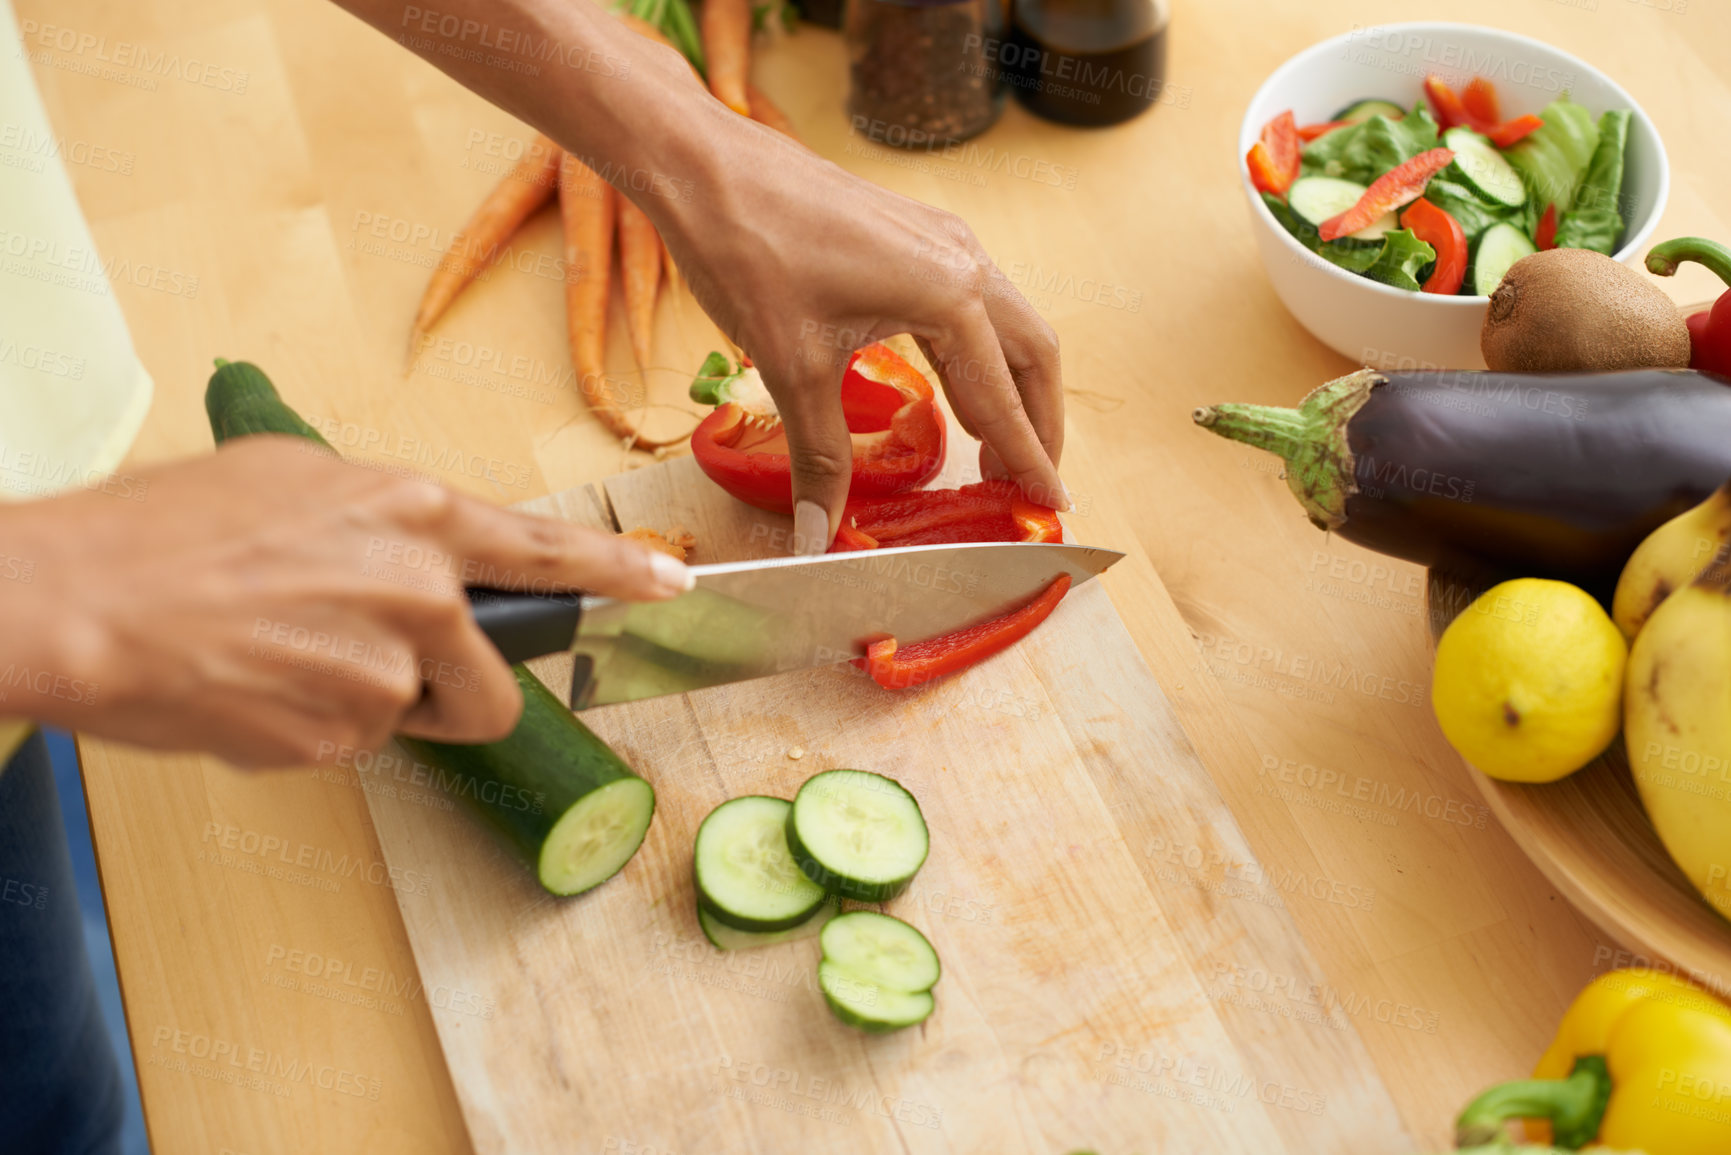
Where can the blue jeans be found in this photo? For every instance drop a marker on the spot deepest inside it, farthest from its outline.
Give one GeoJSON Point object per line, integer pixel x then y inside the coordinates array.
{"type": "Point", "coordinates": [60, 1087]}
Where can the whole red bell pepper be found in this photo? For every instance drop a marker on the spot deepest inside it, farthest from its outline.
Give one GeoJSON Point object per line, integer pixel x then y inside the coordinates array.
{"type": "Point", "coordinates": [1438, 229]}
{"type": "Point", "coordinates": [899, 667]}
{"type": "Point", "coordinates": [892, 418]}
{"type": "Point", "coordinates": [1709, 332]}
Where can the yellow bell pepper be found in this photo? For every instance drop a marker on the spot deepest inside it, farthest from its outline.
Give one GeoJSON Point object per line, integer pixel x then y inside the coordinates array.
{"type": "Point", "coordinates": [1642, 1059]}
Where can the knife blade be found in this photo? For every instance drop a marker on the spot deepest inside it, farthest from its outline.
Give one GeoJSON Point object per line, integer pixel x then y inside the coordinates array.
{"type": "Point", "coordinates": [752, 619]}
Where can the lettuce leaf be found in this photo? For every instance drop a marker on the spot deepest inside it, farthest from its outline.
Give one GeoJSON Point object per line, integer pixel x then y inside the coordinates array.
{"type": "Point", "coordinates": [1596, 221]}
{"type": "Point", "coordinates": [1364, 151]}
{"type": "Point", "coordinates": [1353, 256]}
{"type": "Point", "coordinates": [1402, 256]}
{"type": "Point", "coordinates": [1553, 158]}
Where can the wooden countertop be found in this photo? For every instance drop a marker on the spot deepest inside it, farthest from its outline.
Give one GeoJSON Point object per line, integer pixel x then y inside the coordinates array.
{"type": "Point", "coordinates": [271, 180]}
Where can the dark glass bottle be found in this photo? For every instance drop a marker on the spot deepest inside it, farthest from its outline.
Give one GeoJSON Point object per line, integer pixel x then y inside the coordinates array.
{"type": "Point", "coordinates": [1088, 62]}
{"type": "Point", "coordinates": [921, 72]}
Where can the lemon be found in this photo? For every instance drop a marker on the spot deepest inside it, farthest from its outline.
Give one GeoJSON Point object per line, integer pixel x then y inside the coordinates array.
{"type": "Point", "coordinates": [1528, 683]}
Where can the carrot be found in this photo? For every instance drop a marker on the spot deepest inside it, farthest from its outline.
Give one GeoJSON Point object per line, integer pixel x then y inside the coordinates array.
{"type": "Point", "coordinates": [727, 50]}
{"type": "Point", "coordinates": [764, 111]}
{"type": "Point", "coordinates": [587, 204]}
{"type": "Point", "coordinates": [527, 187]}
{"type": "Point", "coordinates": [669, 270]}
{"type": "Point", "coordinates": [640, 268]}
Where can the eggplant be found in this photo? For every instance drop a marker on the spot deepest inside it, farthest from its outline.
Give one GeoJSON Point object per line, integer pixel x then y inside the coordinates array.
{"type": "Point", "coordinates": [1556, 475]}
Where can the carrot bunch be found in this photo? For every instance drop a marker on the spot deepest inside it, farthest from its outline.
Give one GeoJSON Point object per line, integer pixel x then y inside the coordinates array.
{"type": "Point", "coordinates": [596, 215]}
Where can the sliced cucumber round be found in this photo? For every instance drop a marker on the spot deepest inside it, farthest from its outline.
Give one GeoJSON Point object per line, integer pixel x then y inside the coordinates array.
{"type": "Point", "coordinates": [877, 972]}
{"type": "Point", "coordinates": [868, 1006]}
{"type": "Point", "coordinates": [724, 937]}
{"type": "Point", "coordinates": [745, 876]}
{"type": "Point", "coordinates": [883, 949]}
{"type": "Point", "coordinates": [1484, 168]}
{"type": "Point", "coordinates": [1318, 198]}
{"type": "Point", "coordinates": [1501, 246]}
{"type": "Point", "coordinates": [857, 834]}
{"type": "Point", "coordinates": [1365, 109]}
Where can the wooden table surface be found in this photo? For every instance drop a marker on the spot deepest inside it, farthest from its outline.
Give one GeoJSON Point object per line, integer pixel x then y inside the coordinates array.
{"type": "Point", "coordinates": [271, 181]}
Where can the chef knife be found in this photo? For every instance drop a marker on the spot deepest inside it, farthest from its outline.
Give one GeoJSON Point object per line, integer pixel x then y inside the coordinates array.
{"type": "Point", "coordinates": [751, 619]}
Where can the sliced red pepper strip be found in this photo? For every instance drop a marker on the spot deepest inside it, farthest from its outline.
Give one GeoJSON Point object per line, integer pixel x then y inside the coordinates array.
{"type": "Point", "coordinates": [1400, 185]}
{"type": "Point", "coordinates": [900, 667]}
{"type": "Point", "coordinates": [1274, 159]}
{"type": "Point", "coordinates": [1309, 132]}
{"type": "Point", "coordinates": [1437, 228]}
{"type": "Point", "coordinates": [1444, 104]}
{"type": "Point", "coordinates": [1481, 102]}
{"type": "Point", "coordinates": [984, 511]}
{"type": "Point", "coordinates": [892, 417]}
{"type": "Point", "coordinates": [1545, 236]}
{"type": "Point", "coordinates": [1511, 131]}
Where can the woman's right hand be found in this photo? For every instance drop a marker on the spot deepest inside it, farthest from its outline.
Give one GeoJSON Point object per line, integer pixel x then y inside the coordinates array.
{"type": "Point", "coordinates": [271, 603]}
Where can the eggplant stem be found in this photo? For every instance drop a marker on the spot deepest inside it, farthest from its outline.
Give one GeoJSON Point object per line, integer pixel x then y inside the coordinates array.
{"type": "Point", "coordinates": [1311, 439]}
{"type": "Point", "coordinates": [1575, 1106]}
{"type": "Point", "coordinates": [1664, 259]}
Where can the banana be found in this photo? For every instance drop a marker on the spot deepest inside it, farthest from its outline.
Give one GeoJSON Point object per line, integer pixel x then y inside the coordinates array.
{"type": "Point", "coordinates": [1677, 723]}
{"type": "Point", "coordinates": [1669, 560]}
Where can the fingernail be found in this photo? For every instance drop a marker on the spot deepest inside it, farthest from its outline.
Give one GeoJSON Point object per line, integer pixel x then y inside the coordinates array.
{"type": "Point", "coordinates": [1069, 502]}
{"type": "Point", "coordinates": [810, 529]}
{"type": "Point", "coordinates": [671, 573]}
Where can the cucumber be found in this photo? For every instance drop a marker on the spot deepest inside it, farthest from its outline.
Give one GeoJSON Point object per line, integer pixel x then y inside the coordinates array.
{"type": "Point", "coordinates": [724, 937]}
{"type": "Point", "coordinates": [1484, 168]}
{"type": "Point", "coordinates": [857, 834]}
{"type": "Point", "coordinates": [877, 972]}
{"type": "Point", "coordinates": [745, 876]}
{"type": "Point", "coordinates": [1500, 247]}
{"type": "Point", "coordinates": [1365, 109]}
{"type": "Point", "coordinates": [1317, 198]}
{"type": "Point", "coordinates": [558, 795]}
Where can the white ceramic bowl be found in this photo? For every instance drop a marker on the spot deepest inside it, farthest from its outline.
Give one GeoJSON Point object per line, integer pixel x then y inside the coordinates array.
{"type": "Point", "coordinates": [1376, 324]}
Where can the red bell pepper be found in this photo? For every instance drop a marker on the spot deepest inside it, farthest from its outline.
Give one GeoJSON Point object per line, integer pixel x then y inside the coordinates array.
{"type": "Point", "coordinates": [1512, 131]}
{"type": "Point", "coordinates": [1479, 110]}
{"type": "Point", "coordinates": [1274, 158]}
{"type": "Point", "coordinates": [1545, 235]}
{"type": "Point", "coordinates": [1438, 229]}
{"type": "Point", "coordinates": [892, 417]}
{"type": "Point", "coordinates": [1479, 99]}
{"type": "Point", "coordinates": [1400, 185]}
{"type": "Point", "coordinates": [1309, 132]}
{"type": "Point", "coordinates": [1709, 332]}
{"type": "Point", "coordinates": [899, 667]}
{"type": "Point", "coordinates": [984, 511]}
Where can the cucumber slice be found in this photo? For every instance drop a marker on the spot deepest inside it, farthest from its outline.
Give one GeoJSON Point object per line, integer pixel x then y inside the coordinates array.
{"type": "Point", "coordinates": [595, 838]}
{"type": "Point", "coordinates": [1500, 247]}
{"type": "Point", "coordinates": [857, 834]}
{"type": "Point", "coordinates": [1317, 198]}
{"type": "Point", "coordinates": [882, 949]}
{"type": "Point", "coordinates": [724, 937]}
{"type": "Point", "coordinates": [745, 876]}
{"type": "Point", "coordinates": [1484, 168]}
{"type": "Point", "coordinates": [1365, 109]}
{"type": "Point", "coordinates": [864, 1004]}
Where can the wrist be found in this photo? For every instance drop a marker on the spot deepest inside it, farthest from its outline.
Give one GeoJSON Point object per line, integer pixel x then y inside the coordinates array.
{"type": "Point", "coordinates": [48, 651]}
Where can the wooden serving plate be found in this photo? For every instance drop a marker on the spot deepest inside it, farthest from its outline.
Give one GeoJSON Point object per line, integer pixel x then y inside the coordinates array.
{"type": "Point", "coordinates": [1590, 836]}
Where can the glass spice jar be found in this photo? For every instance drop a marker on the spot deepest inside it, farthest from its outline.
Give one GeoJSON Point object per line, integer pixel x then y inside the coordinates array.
{"type": "Point", "coordinates": [921, 74]}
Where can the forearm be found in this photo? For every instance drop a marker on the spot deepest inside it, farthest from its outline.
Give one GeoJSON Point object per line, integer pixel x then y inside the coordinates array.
{"type": "Point", "coordinates": [630, 108]}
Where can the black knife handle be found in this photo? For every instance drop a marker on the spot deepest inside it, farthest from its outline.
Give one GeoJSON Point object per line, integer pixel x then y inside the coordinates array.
{"type": "Point", "coordinates": [525, 626]}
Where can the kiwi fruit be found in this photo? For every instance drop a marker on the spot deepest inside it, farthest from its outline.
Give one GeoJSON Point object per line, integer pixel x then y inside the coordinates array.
{"type": "Point", "coordinates": [1577, 311]}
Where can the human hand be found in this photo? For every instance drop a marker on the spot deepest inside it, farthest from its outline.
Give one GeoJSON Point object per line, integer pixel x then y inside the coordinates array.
{"type": "Point", "coordinates": [268, 599]}
{"type": "Point", "coordinates": [800, 263]}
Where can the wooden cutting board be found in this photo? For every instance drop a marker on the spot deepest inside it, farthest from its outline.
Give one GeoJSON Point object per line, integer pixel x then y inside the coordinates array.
{"type": "Point", "coordinates": [1097, 992]}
